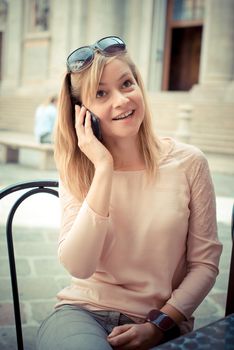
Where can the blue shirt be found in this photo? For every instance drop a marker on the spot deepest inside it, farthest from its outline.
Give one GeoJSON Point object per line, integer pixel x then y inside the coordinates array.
{"type": "Point", "coordinates": [44, 120]}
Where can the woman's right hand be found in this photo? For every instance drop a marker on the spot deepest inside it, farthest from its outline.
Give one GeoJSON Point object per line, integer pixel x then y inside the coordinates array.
{"type": "Point", "coordinates": [97, 153]}
{"type": "Point", "coordinates": [98, 196]}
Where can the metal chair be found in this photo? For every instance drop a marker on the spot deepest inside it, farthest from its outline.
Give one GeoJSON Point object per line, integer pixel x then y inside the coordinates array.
{"type": "Point", "coordinates": [31, 187]}
{"type": "Point", "coordinates": [230, 293]}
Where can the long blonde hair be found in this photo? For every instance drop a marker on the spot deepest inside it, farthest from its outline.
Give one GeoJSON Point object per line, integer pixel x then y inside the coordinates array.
{"type": "Point", "coordinates": [75, 169]}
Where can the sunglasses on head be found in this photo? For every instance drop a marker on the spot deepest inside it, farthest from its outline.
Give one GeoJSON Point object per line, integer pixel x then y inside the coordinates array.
{"type": "Point", "coordinates": [82, 57]}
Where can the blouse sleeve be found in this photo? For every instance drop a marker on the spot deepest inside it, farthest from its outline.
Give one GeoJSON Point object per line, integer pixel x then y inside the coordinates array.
{"type": "Point", "coordinates": [82, 235]}
{"type": "Point", "coordinates": [203, 247]}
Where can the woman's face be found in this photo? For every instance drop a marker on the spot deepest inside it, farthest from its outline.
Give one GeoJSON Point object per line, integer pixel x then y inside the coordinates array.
{"type": "Point", "coordinates": [118, 102]}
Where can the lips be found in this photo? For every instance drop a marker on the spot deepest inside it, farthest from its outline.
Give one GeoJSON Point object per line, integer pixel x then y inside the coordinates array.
{"type": "Point", "coordinates": [124, 115]}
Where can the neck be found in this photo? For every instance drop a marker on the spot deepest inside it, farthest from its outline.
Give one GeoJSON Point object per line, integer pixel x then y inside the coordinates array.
{"type": "Point", "coordinates": [126, 154]}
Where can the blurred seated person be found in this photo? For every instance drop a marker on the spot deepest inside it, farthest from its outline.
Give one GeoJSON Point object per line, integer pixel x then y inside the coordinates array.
{"type": "Point", "coordinates": [45, 116]}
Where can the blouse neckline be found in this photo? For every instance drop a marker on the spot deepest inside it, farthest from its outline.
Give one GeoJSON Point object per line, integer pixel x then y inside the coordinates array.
{"type": "Point", "coordinates": [167, 145]}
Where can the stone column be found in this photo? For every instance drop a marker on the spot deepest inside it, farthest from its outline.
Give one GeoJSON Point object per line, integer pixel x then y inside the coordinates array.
{"type": "Point", "coordinates": [138, 23]}
{"type": "Point", "coordinates": [77, 32]}
{"type": "Point", "coordinates": [105, 17]}
{"type": "Point", "coordinates": [61, 31]}
{"type": "Point", "coordinates": [12, 57]}
{"type": "Point", "coordinates": [217, 58]}
{"type": "Point", "coordinates": [155, 67]}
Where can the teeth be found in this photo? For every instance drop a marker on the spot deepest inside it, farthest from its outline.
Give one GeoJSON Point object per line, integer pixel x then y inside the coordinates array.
{"type": "Point", "coordinates": [122, 116]}
{"type": "Point", "coordinates": [127, 114]}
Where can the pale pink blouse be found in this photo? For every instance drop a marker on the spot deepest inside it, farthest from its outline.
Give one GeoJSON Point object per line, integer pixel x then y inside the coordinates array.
{"type": "Point", "coordinates": [159, 244]}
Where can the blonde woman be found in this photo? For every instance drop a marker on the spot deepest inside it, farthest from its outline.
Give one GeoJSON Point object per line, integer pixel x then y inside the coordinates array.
{"type": "Point", "coordinates": [138, 230]}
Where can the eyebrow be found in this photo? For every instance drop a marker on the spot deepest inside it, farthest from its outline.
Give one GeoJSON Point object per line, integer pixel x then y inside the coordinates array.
{"type": "Point", "coordinates": [120, 78]}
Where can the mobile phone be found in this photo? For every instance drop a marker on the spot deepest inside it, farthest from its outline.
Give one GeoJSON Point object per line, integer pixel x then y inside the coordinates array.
{"type": "Point", "coordinates": [95, 124]}
{"type": "Point", "coordinates": [95, 121]}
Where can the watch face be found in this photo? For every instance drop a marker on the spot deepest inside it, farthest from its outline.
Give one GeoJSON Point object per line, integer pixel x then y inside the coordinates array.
{"type": "Point", "coordinates": [161, 320]}
{"type": "Point", "coordinates": [165, 323]}
{"type": "Point", "coordinates": [153, 314]}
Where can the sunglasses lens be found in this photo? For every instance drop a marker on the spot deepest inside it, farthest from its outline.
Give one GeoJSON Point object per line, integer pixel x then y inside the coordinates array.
{"type": "Point", "coordinates": [80, 59]}
{"type": "Point", "coordinates": [83, 57]}
{"type": "Point", "coordinates": [111, 45]}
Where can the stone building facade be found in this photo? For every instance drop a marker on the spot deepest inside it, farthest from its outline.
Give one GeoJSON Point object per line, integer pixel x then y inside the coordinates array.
{"type": "Point", "coordinates": [184, 49]}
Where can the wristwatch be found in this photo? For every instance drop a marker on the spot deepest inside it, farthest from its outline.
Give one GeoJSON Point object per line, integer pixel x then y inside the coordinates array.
{"type": "Point", "coordinates": [165, 323]}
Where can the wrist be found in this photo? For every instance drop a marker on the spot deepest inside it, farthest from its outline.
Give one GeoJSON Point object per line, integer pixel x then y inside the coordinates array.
{"type": "Point", "coordinates": [155, 331]}
{"type": "Point", "coordinates": [164, 323]}
{"type": "Point", "coordinates": [154, 335]}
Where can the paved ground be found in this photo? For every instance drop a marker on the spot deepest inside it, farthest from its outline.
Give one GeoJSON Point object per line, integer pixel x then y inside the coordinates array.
{"type": "Point", "coordinates": [40, 275]}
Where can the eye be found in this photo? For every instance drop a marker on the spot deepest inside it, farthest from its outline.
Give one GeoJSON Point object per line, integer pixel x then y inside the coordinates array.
{"type": "Point", "coordinates": [100, 93]}
{"type": "Point", "coordinates": [127, 83]}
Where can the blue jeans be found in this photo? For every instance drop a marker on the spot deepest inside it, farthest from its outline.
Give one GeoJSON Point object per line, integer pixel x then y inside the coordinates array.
{"type": "Point", "coordinates": [73, 328]}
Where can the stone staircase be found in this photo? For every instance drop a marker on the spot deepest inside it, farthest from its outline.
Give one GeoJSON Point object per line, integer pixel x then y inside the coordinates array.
{"type": "Point", "coordinates": [220, 142]}
{"type": "Point", "coordinates": [212, 123]}
{"type": "Point", "coordinates": [211, 127]}
{"type": "Point", "coordinates": [17, 112]}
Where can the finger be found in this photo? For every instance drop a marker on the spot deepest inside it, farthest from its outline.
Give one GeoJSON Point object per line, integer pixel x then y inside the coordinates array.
{"type": "Point", "coordinates": [122, 339]}
{"type": "Point", "coordinates": [87, 119]}
{"type": "Point", "coordinates": [79, 115]}
{"type": "Point", "coordinates": [118, 330]}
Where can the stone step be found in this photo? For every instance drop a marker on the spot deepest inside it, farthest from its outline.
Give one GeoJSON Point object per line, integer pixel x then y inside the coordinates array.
{"type": "Point", "coordinates": [17, 113]}
{"type": "Point", "coordinates": [213, 139]}
{"type": "Point", "coordinates": [219, 143]}
{"type": "Point", "coordinates": [214, 149]}
{"type": "Point", "coordinates": [214, 130]}
{"type": "Point", "coordinates": [207, 144]}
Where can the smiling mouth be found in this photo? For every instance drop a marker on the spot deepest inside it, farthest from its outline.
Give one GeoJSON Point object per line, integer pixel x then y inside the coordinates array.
{"type": "Point", "coordinates": [124, 115]}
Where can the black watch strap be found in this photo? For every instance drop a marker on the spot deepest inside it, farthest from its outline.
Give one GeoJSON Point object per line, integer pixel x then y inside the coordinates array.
{"type": "Point", "coordinates": [165, 323]}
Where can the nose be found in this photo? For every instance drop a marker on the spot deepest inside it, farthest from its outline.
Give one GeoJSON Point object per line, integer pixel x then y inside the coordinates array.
{"type": "Point", "coordinates": [119, 99]}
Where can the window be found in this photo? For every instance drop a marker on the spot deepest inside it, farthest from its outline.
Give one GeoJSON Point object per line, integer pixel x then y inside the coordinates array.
{"type": "Point", "coordinates": [188, 9]}
{"type": "Point", "coordinates": [3, 13]}
{"type": "Point", "coordinates": [39, 11]}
